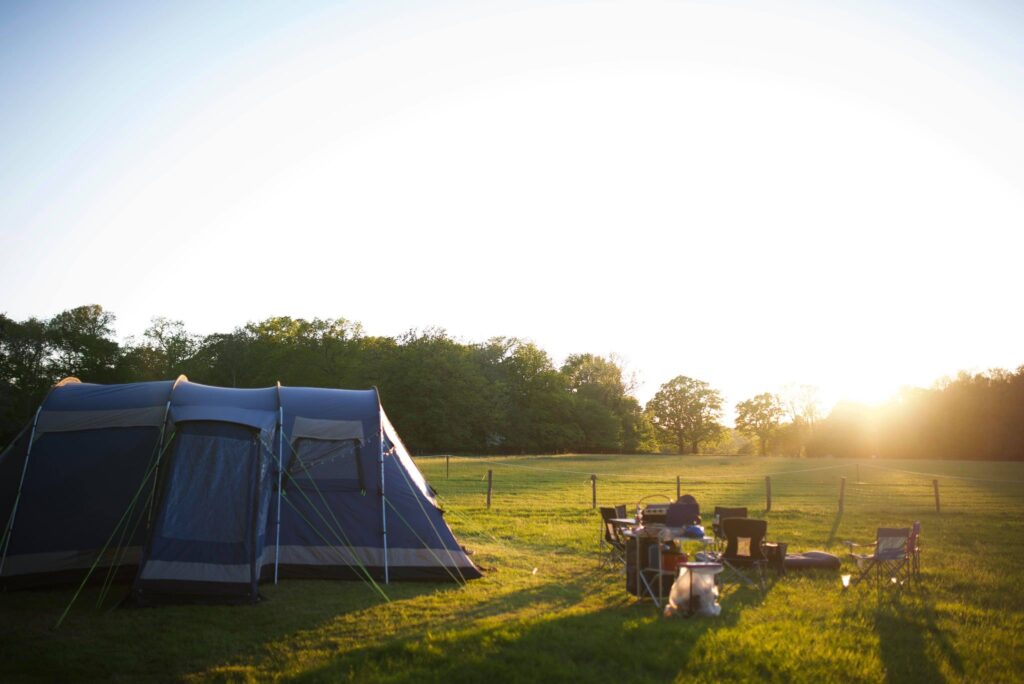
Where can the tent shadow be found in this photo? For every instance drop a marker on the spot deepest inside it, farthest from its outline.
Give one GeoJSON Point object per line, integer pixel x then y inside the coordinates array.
{"type": "Point", "coordinates": [170, 641]}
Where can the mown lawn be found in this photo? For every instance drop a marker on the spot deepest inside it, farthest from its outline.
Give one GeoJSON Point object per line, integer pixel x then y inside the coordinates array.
{"type": "Point", "coordinates": [545, 611]}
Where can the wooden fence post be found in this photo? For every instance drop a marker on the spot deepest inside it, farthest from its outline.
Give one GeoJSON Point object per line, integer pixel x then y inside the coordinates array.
{"type": "Point", "coordinates": [490, 480]}
{"type": "Point", "coordinates": [768, 492]}
{"type": "Point", "coordinates": [593, 491]}
{"type": "Point", "coordinates": [446, 466]}
{"type": "Point", "coordinates": [678, 488]}
{"type": "Point", "coordinates": [842, 493]}
{"type": "Point", "coordinates": [935, 483]}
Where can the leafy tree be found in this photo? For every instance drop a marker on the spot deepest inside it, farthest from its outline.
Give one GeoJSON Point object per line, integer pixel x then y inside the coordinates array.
{"type": "Point", "coordinates": [848, 432]}
{"type": "Point", "coordinates": [81, 344]}
{"type": "Point", "coordinates": [164, 353]}
{"type": "Point", "coordinates": [602, 407]}
{"type": "Point", "coordinates": [538, 402]}
{"type": "Point", "coordinates": [730, 443]}
{"type": "Point", "coordinates": [638, 432]}
{"type": "Point", "coordinates": [595, 378]}
{"type": "Point", "coordinates": [802, 404]}
{"type": "Point", "coordinates": [436, 390]}
{"type": "Point", "coordinates": [687, 412]}
{"type": "Point", "coordinates": [600, 429]}
{"type": "Point", "coordinates": [222, 359]}
{"type": "Point", "coordinates": [25, 374]}
{"type": "Point", "coordinates": [759, 417]}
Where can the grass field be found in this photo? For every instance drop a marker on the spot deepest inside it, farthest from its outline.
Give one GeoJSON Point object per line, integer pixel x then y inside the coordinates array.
{"type": "Point", "coordinates": [545, 611]}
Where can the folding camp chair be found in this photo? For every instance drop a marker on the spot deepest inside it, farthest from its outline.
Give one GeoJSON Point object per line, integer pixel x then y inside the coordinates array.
{"type": "Point", "coordinates": [891, 560]}
{"type": "Point", "coordinates": [721, 513]}
{"type": "Point", "coordinates": [612, 542]}
{"type": "Point", "coordinates": [744, 550]}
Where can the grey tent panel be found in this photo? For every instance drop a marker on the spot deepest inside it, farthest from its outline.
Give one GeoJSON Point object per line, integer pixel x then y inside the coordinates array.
{"type": "Point", "coordinates": [315, 428]}
{"type": "Point", "coordinates": [255, 418]}
{"type": "Point", "coordinates": [70, 421]}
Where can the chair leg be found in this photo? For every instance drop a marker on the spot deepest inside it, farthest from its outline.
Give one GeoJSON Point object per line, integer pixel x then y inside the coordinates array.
{"type": "Point", "coordinates": [865, 573]}
{"type": "Point", "coordinates": [729, 569]}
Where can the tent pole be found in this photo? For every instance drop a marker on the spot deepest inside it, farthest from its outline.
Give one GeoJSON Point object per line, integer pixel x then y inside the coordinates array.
{"type": "Point", "coordinates": [280, 469]}
{"type": "Point", "coordinates": [383, 501]}
{"type": "Point", "coordinates": [9, 532]}
{"type": "Point", "coordinates": [156, 471]}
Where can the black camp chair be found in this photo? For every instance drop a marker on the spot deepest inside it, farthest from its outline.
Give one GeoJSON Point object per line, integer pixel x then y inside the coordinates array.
{"type": "Point", "coordinates": [744, 551]}
{"type": "Point", "coordinates": [721, 513]}
{"type": "Point", "coordinates": [612, 542]}
{"type": "Point", "coordinates": [892, 559]}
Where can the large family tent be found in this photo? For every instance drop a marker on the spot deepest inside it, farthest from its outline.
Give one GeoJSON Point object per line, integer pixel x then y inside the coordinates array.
{"type": "Point", "coordinates": [199, 493]}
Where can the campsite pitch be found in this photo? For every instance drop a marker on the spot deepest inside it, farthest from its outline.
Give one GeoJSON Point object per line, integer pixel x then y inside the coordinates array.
{"type": "Point", "coordinates": [546, 611]}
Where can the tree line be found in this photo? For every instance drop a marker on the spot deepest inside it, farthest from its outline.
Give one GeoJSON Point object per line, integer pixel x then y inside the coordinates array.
{"type": "Point", "coordinates": [506, 395]}
{"type": "Point", "coordinates": [503, 395]}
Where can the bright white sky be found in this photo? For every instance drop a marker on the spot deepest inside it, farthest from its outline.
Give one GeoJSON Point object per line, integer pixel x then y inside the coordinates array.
{"type": "Point", "coordinates": [819, 193]}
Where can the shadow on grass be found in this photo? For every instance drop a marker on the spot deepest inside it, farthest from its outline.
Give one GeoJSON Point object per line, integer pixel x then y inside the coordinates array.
{"type": "Point", "coordinates": [835, 528]}
{"type": "Point", "coordinates": [159, 644]}
{"type": "Point", "coordinates": [906, 625]}
{"type": "Point", "coordinates": [613, 643]}
{"type": "Point", "coordinates": [550, 632]}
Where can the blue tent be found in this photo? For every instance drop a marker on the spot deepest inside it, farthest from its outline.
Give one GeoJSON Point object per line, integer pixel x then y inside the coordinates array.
{"type": "Point", "coordinates": [199, 492]}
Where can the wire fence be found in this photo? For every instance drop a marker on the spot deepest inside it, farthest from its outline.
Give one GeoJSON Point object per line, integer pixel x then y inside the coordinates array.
{"type": "Point", "coordinates": [520, 484]}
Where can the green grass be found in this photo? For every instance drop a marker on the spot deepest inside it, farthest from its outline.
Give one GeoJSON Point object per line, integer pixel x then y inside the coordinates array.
{"type": "Point", "coordinates": [545, 611]}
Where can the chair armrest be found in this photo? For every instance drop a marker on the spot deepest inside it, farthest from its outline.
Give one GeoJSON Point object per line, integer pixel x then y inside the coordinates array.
{"type": "Point", "coordinates": [852, 545]}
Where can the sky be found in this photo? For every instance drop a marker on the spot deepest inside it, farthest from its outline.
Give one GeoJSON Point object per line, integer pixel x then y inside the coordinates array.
{"type": "Point", "coordinates": [752, 194]}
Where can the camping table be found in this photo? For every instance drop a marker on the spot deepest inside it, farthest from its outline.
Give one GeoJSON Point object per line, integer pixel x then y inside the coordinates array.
{"type": "Point", "coordinates": [638, 533]}
{"type": "Point", "coordinates": [705, 541]}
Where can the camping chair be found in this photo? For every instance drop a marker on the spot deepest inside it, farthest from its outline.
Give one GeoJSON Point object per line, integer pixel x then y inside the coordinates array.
{"type": "Point", "coordinates": [611, 539]}
{"type": "Point", "coordinates": [744, 550]}
{"type": "Point", "coordinates": [721, 513]}
{"type": "Point", "coordinates": [891, 556]}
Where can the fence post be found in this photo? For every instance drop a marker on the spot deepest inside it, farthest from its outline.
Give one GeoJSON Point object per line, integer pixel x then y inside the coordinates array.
{"type": "Point", "coordinates": [768, 492]}
{"type": "Point", "coordinates": [842, 493]}
{"type": "Point", "coordinates": [490, 479]}
{"type": "Point", "coordinates": [935, 483]}
{"type": "Point", "coordinates": [678, 490]}
{"type": "Point", "coordinates": [593, 491]}
{"type": "Point", "coordinates": [446, 466]}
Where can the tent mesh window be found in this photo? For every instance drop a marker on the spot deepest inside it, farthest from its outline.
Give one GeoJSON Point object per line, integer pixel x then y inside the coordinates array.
{"type": "Point", "coordinates": [334, 461]}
